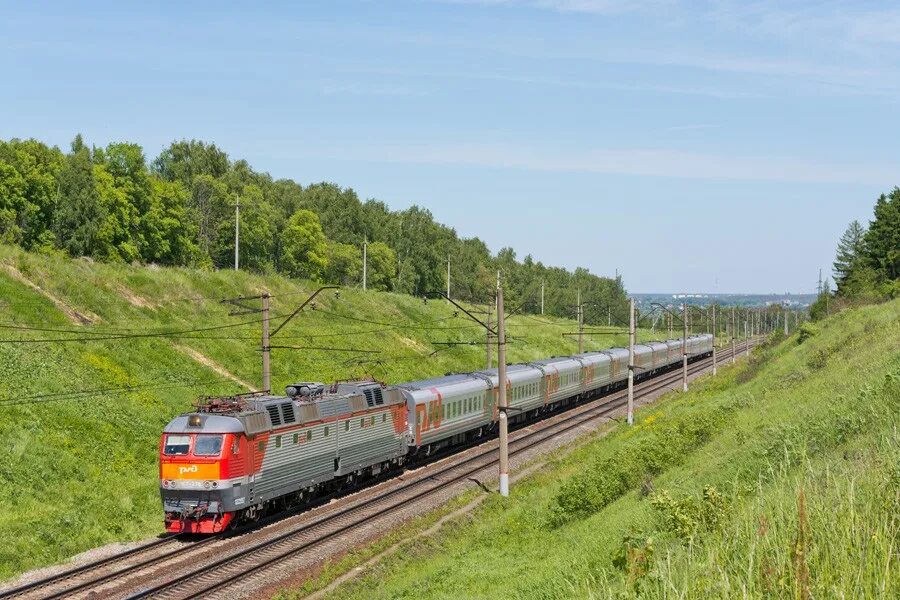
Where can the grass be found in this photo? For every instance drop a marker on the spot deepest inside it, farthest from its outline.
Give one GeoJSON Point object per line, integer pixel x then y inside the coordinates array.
{"type": "Point", "coordinates": [779, 478]}
{"type": "Point", "coordinates": [81, 471]}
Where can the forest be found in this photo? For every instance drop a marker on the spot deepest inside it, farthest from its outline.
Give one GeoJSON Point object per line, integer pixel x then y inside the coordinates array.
{"type": "Point", "coordinates": [111, 204]}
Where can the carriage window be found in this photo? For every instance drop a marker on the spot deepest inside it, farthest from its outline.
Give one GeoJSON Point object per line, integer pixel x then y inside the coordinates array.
{"type": "Point", "coordinates": [208, 445]}
{"type": "Point", "coordinates": [261, 446]}
{"type": "Point", "coordinates": [309, 435]}
{"type": "Point", "coordinates": [372, 420]}
{"type": "Point", "coordinates": [383, 417]}
{"type": "Point", "coordinates": [362, 422]}
{"type": "Point", "coordinates": [296, 438]}
{"type": "Point", "coordinates": [278, 441]}
{"type": "Point", "coordinates": [346, 425]}
{"type": "Point", "coordinates": [177, 444]}
{"type": "Point", "coordinates": [325, 433]}
{"type": "Point", "coordinates": [235, 446]}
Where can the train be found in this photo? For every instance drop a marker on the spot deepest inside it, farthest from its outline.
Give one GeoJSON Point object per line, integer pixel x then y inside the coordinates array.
{"type": "Point", "coordinates": [236, 459]}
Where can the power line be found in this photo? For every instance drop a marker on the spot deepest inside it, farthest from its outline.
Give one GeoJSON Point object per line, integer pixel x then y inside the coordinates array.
{"type": "Point", "coordinates": [94, 392]}
{"type": "Point", "coordinates": [105, 336]}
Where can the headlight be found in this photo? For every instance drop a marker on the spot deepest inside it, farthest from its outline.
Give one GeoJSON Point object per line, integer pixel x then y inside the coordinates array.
{"type": "Point", "coordinates": [207, 484]}
{"type": "Point", "coordinates": [215, 484]}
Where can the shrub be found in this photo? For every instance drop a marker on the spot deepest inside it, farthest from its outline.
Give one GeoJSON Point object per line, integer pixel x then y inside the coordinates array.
{"type": "Point", "coordinates": [807, 330]}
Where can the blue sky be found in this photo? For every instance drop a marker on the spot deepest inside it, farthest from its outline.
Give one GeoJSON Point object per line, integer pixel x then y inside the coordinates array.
{"type": "Point", "coordinates": [695, 146]}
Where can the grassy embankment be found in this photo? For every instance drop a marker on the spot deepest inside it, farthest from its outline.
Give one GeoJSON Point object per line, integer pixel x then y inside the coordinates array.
{"type": "Point", "coordinates": [80, 470]}
{"type": "Point", "coordinates": [780, 478]}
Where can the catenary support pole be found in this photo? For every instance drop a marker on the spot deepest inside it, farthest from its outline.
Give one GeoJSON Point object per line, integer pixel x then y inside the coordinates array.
{"type": "Point", "coordinates": [786, 328]}
{"type": "Point", "coordinates": [237, 234]}
{"type": "Point", "coordinates": [448, 277]}
{"type": "Point", "coordinates": [542, 297]}
{"type": "Point", "coordinates": [684, 356]}
{"type": "Point", "coordinates": [365, 261]}
{"type": "Point", "coordinates": [715, 361]}
{"type": "Point", "coordinates": [501, 396]}
{"type": "Point", "coordinates": [490, 339]}
{"type": "Point", "coordinates": [733, 333]}
{"type": "Point", "coordinates": [266, 369]}
{"type": "Point", "coordinates": [631, 361]}
{"type": "Point", "coordinates": [747, 330]}
{"type": "Point", "coordinates": [580, 322]}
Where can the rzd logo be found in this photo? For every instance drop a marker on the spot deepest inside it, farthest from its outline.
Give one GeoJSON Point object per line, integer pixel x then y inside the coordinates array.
{"type": "Point", "coordinates": [190, 469]}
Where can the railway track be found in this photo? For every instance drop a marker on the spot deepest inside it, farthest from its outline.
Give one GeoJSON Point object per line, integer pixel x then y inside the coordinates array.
{"type": "Point", "coordinates": [226, 571]}
{"type": "Point", "coordinates": [209, 573]}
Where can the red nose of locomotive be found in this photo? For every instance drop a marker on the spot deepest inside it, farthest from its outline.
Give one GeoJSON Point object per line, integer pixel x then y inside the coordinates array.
{"type": "Point", "coordinates": [202, 476]}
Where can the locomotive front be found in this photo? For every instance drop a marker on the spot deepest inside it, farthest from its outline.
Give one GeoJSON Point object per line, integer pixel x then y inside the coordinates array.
{"type": "Point", "coordinates": [202, 472]}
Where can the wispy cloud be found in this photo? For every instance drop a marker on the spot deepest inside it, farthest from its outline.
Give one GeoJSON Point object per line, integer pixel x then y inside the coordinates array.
{"type": "Point", "coordinates": [693, 127]}
{"type": "Point", "coordinates": [643, 162]}
{"type": "Point", "coordinates": [603, 7]}
{"type": "Point", "coordinates": [837, 47]}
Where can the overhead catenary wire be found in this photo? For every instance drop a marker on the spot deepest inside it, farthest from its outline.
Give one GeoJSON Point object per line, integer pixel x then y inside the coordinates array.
{"type": "Point", "coordinates": [97, 392]}
{"type": "Point", "coordinates": [123, 336]}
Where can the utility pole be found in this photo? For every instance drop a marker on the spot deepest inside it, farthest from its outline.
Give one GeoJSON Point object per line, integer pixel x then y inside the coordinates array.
{"type": "Point", "coordinates": [580, 322]}
{"type": "Point", "coordinates": [542, 297]}
{"type": "Point", "coordinates": [786, 329]}
{"type": "Point", "coordinates": [747, 330]}
{"type": "Point", "coordinates": [501, 396]}
{"type": "Point", "coordinates": [365, 261]}
{"type": "Point", "coordinates": [631, 362]}
{"type": "Point", "coordinates": [266, 350]}
{"type": "Point", "coordinates": [715, 362]}
{"type": "Point", "coordinates": [490, 341]}
{"type": "Point", "coordinates": [237, 233]}
{"type": "Point", "coordinates": [448, 277]}
{"type": "Point", "coordinates": [733, 346]}
{"type": "Point", "coordinates": [684, 357]}
{"type": "Point", "coordinates": [609, 316]}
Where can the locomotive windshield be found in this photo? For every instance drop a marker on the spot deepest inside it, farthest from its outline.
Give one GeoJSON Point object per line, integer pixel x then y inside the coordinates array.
{"type": "Point", "coordinates": [177, 444]}
{"type": "Point", "coordinates": [208, 445]}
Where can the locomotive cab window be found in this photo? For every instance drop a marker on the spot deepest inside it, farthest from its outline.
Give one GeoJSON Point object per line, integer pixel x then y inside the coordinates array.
{"type": "Point", "coordinates": [177, 444]}
{"type": "Point", "coordinates": [208, 445]}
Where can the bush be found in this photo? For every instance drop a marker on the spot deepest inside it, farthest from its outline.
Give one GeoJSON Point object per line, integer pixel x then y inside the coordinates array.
{"type": "Point", "coordinates": [807, 330]}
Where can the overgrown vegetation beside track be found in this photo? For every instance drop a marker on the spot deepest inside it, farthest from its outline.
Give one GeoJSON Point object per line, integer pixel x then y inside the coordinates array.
{"type": "Point", "coordinates": [779, 478]}
{"type": "Point", "coordinates": [79, 467]}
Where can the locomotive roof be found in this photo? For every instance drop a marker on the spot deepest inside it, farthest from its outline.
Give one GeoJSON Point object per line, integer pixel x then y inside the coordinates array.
{"type": "Point", "coordinates": [208, 424]}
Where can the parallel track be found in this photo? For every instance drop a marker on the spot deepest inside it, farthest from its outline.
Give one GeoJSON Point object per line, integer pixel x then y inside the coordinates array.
{"type": "Point", "coordinates": [237, 568]}
{"type": "Point", "coordinates": [246, 562]}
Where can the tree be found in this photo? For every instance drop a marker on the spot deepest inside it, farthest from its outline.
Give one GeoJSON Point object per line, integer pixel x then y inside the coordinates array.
{"type": "Point", "coordinates": [850, 253]}
{"type": "Point", "coordinates": [882, 241]}
{"type": "Point", "coordinates": [305, 249]}
{"type": "Point", "coordinates": [28, 191]}
{"type": "Point", "coordinates": [183, 161]}
{"type": "Point", "coordinates": [257, 233]}
{"type": "Point", "coordinates": [344, 264]}
{"type": "Point", "coordinates": [12, 203]}
{"type": "Point", "coordinates": [168, 235]}
{"type": "Point", "coordinates": [382, 266]}
{"type": "Point", "coordinates": [79, 215]}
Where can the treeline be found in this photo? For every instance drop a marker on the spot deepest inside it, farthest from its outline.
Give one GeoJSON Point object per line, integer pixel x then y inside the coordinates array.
{"type": "Point", "coordinates": [111, 204]}
{"type": "Point", "coordinates": [867, 264]}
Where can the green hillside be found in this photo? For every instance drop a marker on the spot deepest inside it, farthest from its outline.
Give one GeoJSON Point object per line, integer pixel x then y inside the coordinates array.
{"type": "Point", "coordinates": [780, 478]}
{"type": "Point", "coordinates": [80, 466]}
